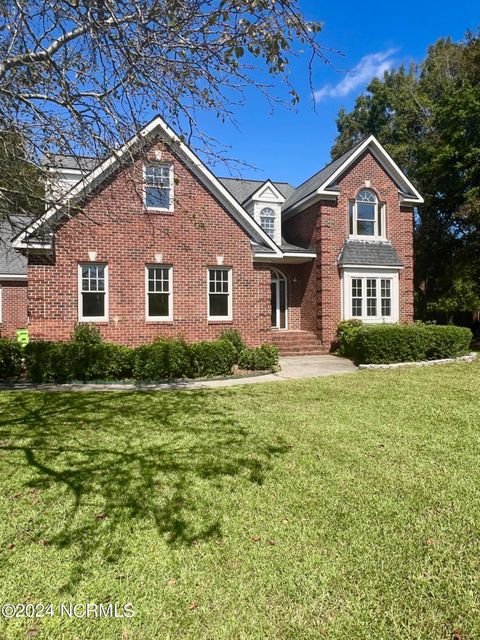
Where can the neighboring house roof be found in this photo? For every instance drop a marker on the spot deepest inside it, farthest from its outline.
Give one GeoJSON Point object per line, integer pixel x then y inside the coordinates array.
{"type": "Point", "coordinates": [242, 190]}
{"type": "Point", "coordinates": [83, 163]}
{"type": "Point", "coordinates": [12, 263]}
{"type": "Point", "coordinates": [315, 182]}
{"type": "Point", "coordinates": [157, 127]}
{"type": "Point", "coordinates": [369, 253]}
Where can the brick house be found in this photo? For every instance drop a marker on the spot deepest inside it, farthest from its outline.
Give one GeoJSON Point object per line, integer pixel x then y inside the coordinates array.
{"type": "Point", "coordinates": [150, 242]}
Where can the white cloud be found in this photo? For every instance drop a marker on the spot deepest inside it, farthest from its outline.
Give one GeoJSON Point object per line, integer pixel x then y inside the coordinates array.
{"type": "Point", "coordinates": [370, 66]}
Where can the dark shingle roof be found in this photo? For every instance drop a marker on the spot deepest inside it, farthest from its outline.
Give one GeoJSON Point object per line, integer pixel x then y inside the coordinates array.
{"type": "Point", "coordinates": [241, 190]}
{"type": "Point", "coordinates": [12, 263]}
{"type": "Point", "coordinates": [358, 252]}
{"type": "Point", "coordinates": [71, 162]}
{"type": "Point", "coordinates": [315, 182]}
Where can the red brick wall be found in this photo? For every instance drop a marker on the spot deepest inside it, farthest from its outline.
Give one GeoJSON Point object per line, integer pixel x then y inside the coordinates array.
{"type": "Point", "coordinates": [13, 297]}
{"type": "Point", "coordinates": [301, 296]}
{"type": "Point", "coordinates": [325, 225]}
{"type": "Point", "coordinates": [115, 225]}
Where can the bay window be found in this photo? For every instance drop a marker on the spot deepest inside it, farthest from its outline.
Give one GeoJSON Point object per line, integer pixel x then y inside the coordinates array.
{"type": "Point", "coordinates": [370, 296]}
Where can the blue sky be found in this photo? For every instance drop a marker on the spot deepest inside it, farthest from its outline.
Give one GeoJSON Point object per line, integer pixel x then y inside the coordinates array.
{"type": "Point", "coordinates": [373, 36]}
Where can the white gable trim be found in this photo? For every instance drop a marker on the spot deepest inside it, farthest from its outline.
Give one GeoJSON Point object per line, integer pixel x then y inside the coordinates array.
{"type": "Point", "coordinates": [194, 163]}
{"type": "Point", "coordinates": [384, 158]}
{"type": "Point", "coordinates": [257, 195]}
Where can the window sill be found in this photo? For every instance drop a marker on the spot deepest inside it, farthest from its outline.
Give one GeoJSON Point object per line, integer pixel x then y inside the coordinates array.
{"type": "Point", "coordinates": [369, 238]}
{"type": "Point", "coordinates": [220, 321]}
{"type": "Point", "coordinates": [155, 210]}
{"type": "Point", "coordinates": [159, 320]}
{"type": "Point", "coordinates": [93, 320]}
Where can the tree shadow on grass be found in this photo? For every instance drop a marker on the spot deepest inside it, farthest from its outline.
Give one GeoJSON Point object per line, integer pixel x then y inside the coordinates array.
{"type": "Point", "coordinates": [109, 462]}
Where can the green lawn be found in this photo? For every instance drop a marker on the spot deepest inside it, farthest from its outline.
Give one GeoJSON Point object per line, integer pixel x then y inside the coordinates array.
{"type": "Point", "coordinates": [344, 507]}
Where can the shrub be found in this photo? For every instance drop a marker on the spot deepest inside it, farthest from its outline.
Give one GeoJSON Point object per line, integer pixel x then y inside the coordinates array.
{"type": "Point", "coordinates": [345, 339]}
{"type": "Point", "coordinates": [109, 361]}
{"type": "Point", "coordinates": [10, 359]}
{"type": "Point", "coordinates": [47, 361]}
{"type": "Point", "coordinates": [86, 334]}
{"type": "Point", "coordinates": [233, 336]}
{"type": "Point", "coordinates": [215, 358]}
{"type": "Point", "coordinates": [263, 358]}
{"type": "Point", "coordinates": [67, 361]}
{"type": "Point", "coordinates": [162, 360]}
{"type": "Point", "coordinates": [447, 341]}
{"type": "Point", "coordinates": [390, 343]}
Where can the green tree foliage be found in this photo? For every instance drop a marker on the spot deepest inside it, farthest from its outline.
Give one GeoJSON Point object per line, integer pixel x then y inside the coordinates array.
{"type": "Point", "coordinates": [428, 118]}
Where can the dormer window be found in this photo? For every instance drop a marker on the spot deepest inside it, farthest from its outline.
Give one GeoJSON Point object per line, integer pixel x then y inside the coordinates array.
{"type": "Point", "coordinates": [267, 221]}
{"type": "Point", "coordinates": [158, 187]}
{"type": "Point", "coordinates": [366, 215]}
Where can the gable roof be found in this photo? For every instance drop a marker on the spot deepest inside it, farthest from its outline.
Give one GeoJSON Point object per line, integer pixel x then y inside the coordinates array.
{"type": "Point", "coordinates": [312, 184]}
{"type": "Point", "coordinates": [12, 263]}
{"type": "Point", "coordinates": [157, 126]}
{"type": "Point", "coordinates": [323, 182]}
{"type": "Point", "coordinates": [243, 190]}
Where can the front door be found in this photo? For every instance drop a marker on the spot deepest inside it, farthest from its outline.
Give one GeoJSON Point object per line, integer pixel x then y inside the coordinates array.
{"type": "Point", "coordinates": [279, 300]}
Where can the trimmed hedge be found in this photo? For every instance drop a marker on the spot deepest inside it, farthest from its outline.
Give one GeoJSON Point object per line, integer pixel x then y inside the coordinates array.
{"type": "Point", "coordinates": [87, 358]}
{"type": "Point", "coordinates": [162, 360]}
{"type": "Point", "coordinates": [215, 358]}
{"type": "Point", "coordinates": [10, 359]}
{"type": "Point", "coordinates": [390, 343]}
{"type": "Point", "coordinates": [66, 361]}
{"type": "Point", "coordinates": [263, 358]}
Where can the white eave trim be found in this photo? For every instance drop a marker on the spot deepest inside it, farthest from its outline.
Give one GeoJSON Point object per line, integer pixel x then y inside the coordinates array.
{"type": "Point", "coordinates": [196, 165]}
{"type": "Point", "coordinates": [372, 141]}
{"type": "Point", "coordinates": [10, 276]}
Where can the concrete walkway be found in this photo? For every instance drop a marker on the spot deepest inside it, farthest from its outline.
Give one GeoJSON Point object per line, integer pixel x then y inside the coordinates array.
{"type": "Point", "coordinates": [293, 368]}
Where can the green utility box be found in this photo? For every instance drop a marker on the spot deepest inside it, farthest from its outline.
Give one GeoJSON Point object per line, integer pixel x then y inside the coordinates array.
{"type": "Point", "coordinates": [22, 336]}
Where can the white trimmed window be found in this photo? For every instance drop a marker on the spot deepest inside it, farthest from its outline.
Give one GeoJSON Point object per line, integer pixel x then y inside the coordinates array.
{"type": "Point", "coordinates": [267, 221]}
{"type": "Point", "coordinates": [93, 292]}
{"type": "Point", "coordinates": [219, 294]}
{"type": "Point", "coordinates": [158, 187]}
{"type": "Point", "coordinates": [371, 297]}
{"type": "Point", "coordinates": [158, 292]}
{"type": "Point", "coordinates": [366, 216]}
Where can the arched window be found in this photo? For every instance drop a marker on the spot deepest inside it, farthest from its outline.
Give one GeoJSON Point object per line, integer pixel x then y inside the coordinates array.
{"type": "Point", "coordinates": [267, 221]}
{"type": "Point", "coordinates": [366, 215]}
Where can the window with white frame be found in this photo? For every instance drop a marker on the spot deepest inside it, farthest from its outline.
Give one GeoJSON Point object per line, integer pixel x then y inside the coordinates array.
{"type": "Point", "coordinates": [267, 221]}
{"type": "Point", "coordinates": [366, 215]}
{"type": "Point", "coordinates": [158, 187]}
{"type": "Point", "coordinates": [93, 292]}
{"type": "Point", "coordinates": [219, 294]}
{"type": "Point", "coordinates": [158, 280]}
{"type": "Point", "coordinates": [371, 297]}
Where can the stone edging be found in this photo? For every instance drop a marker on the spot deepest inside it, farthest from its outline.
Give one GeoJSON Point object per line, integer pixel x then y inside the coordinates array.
{"type": "Point", "coordinates": [423, 363]}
